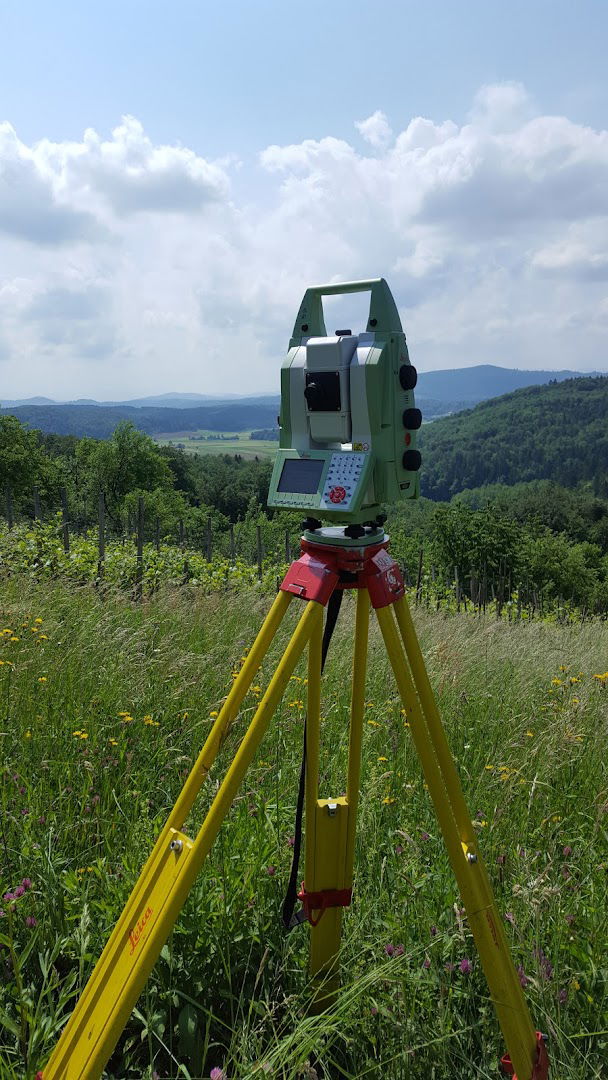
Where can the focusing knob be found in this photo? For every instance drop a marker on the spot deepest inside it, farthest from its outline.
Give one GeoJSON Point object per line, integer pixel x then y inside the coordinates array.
{"type": "Point", "coordinates": [412, 419]}
{"type": "Point", "coordinates": [408, 376]}
{"type": "Point", "coordinates": [412, 460]}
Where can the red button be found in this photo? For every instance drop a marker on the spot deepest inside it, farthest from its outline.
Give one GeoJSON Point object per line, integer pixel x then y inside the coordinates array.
{"type": "Point", "coordinates": [337, 494]}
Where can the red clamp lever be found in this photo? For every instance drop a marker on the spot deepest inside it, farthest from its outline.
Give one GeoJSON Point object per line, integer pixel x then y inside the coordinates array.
{"type": "Point", "coordinates": [320, 901]}
{"type": "Point", "coordinates": [540, 1068]}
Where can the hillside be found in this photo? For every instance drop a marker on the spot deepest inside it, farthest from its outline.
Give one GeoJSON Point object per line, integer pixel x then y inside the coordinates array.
{"type": "Point", "coordinates": [483, 381]}
{"type": "Point", "coordinates": [556, 432]}
{"type": "Point", "coordinates": [100, 421]}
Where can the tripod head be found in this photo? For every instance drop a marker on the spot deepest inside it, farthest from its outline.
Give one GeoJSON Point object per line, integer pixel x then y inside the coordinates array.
{"type": "Point", "coordinates": [348, 421]}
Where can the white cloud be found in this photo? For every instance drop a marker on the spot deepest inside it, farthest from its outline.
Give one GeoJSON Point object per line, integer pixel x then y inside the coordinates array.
{"type": "Point", "coordinates": [129, 267]}
{"type": "Point", "coordinates": [376, 130]}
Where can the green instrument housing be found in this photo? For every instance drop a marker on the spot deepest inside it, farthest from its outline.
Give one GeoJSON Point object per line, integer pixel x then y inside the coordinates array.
{"type": "Point", "coordinates": [348, 420]}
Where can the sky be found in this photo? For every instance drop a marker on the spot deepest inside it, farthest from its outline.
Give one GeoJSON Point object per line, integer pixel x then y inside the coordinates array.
{"type": "Point", "coordinates": [174, 175]}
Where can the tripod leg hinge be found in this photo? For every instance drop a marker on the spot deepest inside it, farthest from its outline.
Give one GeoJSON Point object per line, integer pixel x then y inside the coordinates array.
{"type": "Point", "coordinates": [320, 901]}
{"type": "Point", "coordinates": [540, 1069]}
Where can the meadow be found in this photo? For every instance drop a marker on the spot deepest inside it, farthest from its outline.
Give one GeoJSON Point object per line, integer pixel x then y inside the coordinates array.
{"type": "Point", "coordinates": [104, 706]}
{"type": "Point", "coordinates": [219, 442]}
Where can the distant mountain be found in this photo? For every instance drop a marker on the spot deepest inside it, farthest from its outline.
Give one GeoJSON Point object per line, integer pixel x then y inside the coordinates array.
{"type": "Point", "coordinates": [555, 432]}
{"type": "Point", "coordinates": [99, 421]}
{"type": "Point", "coordinates": [483, 381]}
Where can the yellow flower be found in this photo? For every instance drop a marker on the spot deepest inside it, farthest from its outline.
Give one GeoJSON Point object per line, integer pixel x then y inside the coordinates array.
{"type": "Point", "coordinates": [369, 705]}
{"type": "Point", "coordinates": [382, 759]}
{"type": "Point", "coordinates": [113, 742]}
{"type": "Point", "coordinates": [214, 714]}
{"type": "Point", "coordinates": [150, 722]}
{"type": "Point", "coordinates": [38, 620]}
{"type": "Point", "coordinates": [43, 637]}
{"type": "Point", "coordinates": [490, 767]}
{"type": "Point", "coordinates": [388, 800]}
{"type": "Point", "coordinates": [562, 667]}
{"type": "Point", "coordinates": [42, 678]}
{"type": "Point", "coordinates": [122, 714]}
{"type": "Point", "coordinates": [126, 719]}
{"type": "Point", "coordinates": [257, 689]}
{"type": "Point", "coordinates": [373, 723]}
{"type": "Point", "coordinates": [556, 682]}
{"type": "Point", "coordinates": [530, 734]}
{"type": "Point", "coordinates": [77, 733]}
{"type": "Point", "coordinates": [575, 984]}
{"type": "Point", "coordinates": [601, 678]}
{"type": "Point", "coordinates": [27, 734]}
{"type": "Point", "coordinates": [84, 734]}
{"type": "Point", "coordinates": [14, 638]}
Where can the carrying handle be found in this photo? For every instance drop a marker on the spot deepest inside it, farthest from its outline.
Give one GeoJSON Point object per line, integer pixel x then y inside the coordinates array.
{"type": "Point", "coordinates": [383, 315]}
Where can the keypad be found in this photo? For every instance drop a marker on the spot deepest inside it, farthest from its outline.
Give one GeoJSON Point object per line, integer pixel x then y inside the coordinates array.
{"type": "Point", "coordinates": [342, 479]}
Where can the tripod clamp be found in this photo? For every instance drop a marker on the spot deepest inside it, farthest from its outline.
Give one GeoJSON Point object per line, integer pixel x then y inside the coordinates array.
{"type": "Point", "coordinates": [321, 901]}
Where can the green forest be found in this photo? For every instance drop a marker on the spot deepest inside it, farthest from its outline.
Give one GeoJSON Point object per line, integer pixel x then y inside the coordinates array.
{"type": "Point", "coordinates": [540, 541]}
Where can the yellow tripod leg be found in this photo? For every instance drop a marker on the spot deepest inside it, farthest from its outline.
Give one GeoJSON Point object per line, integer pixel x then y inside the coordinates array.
{"type": "Point", "coordinates": [148, 918]}
{"type": "Point", "coordinates": [445, 790]}
{"type": "Point", "coordinates": [331, 823]}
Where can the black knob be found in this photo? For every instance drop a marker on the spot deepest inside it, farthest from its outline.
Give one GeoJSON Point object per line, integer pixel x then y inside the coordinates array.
{"type": "Point", "coordinates": [354, 531]}
{"type": "Point", "coordinates": [412, 419]}
{"type": "Point", "coordinates": [412, 460]}
{"type": "Point", "coordinates": [408, 376]}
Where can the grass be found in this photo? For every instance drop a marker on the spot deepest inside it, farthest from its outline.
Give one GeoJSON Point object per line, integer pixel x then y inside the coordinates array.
{"type": "Point", "coordinates": [226, 443]}
{"type": "Point", "coordinates": [103, 706]}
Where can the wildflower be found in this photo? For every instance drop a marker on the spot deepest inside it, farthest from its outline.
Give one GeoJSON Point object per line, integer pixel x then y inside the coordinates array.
{"type": "Point", "coordinates": [382, 759]}
{"type": "Point", "coordinates": [373, 723]}
{"type": "Point", "coordinates": [509, 916]}
{"type": "Point", "coordinates": [122, 714]}
{"type": "Point", "coordinates": [43, 637]}
{"type": "Point", "coordinates": [38, 621]}
{"type": "Point", "coordinates": [562, 996]}
{"type": "Point", "coordinates": [523, 978]}
{"type": "Point", "coordinates": [556, 682]}
{"type": "Point", "coordinates": [26, 883]}
{"type": "Point", "coordinates": [387, 801]}
{"type": "Point", "coordinates": [42, 679]}
{"type": "Point", "coordinates": [19, 891]}
{"type": "Point", "coordinates": [213, 714]}
{"type": "Point", "coordinates": [84, 734]}
{"type": "Point", "coordinates": [466, 966]}
{"type": "Point", "coordinates": [574, 984]}
{"type": "Point", "coordinates": [489, 767]}
{"type": "Point", "coordinates": [389, 949]}
{"type": "Point", "coordinates": [530, 734]}
{"type": "Point", "coordinates": [14, 638]}
{"type": "Point", "coordinates": [113, 742]}
{"type": "Point", "coordinates": [31, 922]}
{"type": "Point", "coordinates": [398, 850]}
{"type": "Point", "coordinates": [271, 871]}
{"type": "Point", "coordinates": [545, 965]}
{"type": "Point", "coordinates": [433, 931]}
{"type": "Point", "coordinates": [217, 1074]}
{"type": "Point", "coordinates": [426, 963]}
{"type": "Point", "coordinates": [425, 836]}
{"type": "Point", "coordinates": [27, 734]}
{"type": "Point", "coordinates": [77, 733]}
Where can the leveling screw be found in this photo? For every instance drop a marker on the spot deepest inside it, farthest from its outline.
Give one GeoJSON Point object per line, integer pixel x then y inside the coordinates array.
{"type": "Point", "coordinates": [176, 845]}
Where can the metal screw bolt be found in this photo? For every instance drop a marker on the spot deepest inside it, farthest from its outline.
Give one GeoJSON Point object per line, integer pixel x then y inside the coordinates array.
{"type": "Point", "coordinates": [176, 845]}
{"type": "Point", "coordinates": [332, 808]}
{"type": "Point", "coordinates": [471, 857]}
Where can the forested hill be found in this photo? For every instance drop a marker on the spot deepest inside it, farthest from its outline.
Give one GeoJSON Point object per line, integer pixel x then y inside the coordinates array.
{"type": "Point", "coordinates": [100, 421]}
{"type": "Point", "coordinates": [557, 432]}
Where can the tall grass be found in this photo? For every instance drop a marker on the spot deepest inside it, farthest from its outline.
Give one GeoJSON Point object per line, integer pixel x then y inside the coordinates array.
{"type": "Point", "coordinates": [103, 706]}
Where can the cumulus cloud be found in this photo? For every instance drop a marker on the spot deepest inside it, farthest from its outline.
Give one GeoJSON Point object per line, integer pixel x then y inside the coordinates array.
{"type": "Point", "coordinates": [492, 234]}
{"type": "Point", "coordinates": [376, 130]}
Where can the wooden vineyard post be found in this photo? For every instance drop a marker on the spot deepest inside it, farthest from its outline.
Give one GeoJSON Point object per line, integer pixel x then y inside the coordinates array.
{"type": "Point", "coordinates": [65, 528]}
{"type": "Point", "coordinates": [9, 506]}
{"type": "Point", "coordinates": [139, 567]}
{"type": "Point", "coordinates": [101, 539]}
{"type": "Point", "coordinates": [260, 550]}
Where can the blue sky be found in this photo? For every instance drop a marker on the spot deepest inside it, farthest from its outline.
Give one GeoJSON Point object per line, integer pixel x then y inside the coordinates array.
{"type": "Point", "coordinates": [456, 148]}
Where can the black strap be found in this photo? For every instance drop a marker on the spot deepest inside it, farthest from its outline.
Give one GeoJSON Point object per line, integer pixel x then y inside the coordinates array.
{"type": "Point", "coordinates": [292, 918]}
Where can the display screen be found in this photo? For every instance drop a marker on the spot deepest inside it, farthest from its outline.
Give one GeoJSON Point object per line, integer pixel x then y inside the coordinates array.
{"type": "Point", "coordinates": [301, 475]}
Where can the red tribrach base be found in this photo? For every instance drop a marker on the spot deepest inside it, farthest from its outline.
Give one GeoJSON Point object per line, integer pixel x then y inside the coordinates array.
{"type": "Point", "coordinates": [322, 568]}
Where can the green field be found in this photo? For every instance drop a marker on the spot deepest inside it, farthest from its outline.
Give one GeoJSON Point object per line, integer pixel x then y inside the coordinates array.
{"type": "Point", "coordinates": [221, 442]}
{"type": "Point", "coordinates": [105, 704]}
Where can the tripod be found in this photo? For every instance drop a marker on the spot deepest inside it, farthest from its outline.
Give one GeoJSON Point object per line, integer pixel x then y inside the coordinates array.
{"type": "Point", "coordinates": [167, 877]}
